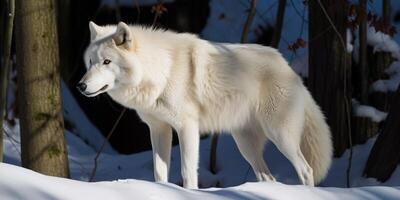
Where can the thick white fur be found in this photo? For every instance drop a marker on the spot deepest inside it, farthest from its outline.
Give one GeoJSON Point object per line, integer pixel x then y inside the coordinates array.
{"type": "Point", "coordinates": [194, 86]}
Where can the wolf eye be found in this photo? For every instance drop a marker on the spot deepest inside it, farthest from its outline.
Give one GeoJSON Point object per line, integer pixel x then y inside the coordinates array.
{"type": "Point", "coordinates": [106, 62]}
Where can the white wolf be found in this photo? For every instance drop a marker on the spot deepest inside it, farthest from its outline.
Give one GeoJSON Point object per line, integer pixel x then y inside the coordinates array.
{"type": "Point", "coordinates": [195, 86]}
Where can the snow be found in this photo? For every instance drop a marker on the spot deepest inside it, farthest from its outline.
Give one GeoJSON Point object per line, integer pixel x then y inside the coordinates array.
{"type": "Point", "coordinates": [371, 112]}
{"type": "Point", "coordinates": [379, 41]}
{"type": "Point", "coordinates": [390, 84]}
{"type": "Point", "coordinates": [20, 183]}
{"type": "Point", "coordinates": [382, 42]}
{"type": "Point", "coordinates": [368, 111]}
{"type": "Point", "coordinates": [349, 38]}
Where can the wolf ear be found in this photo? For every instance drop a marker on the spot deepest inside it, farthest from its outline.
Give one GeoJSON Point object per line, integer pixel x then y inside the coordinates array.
{"type": "Point", "coordinates": [94, 30]}
{"type": "Point", "coordinates": [123, 36]}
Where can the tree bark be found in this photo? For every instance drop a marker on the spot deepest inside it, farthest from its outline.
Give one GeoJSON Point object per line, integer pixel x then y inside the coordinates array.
{"type": "Point", "coordinates": [386, 11]}
{"type": "Point", "coordinates": [363, 127]}
{"type": "Point", "coordinates": [65, 39]}
{"type": "Point", "coordinates": [381, 61]}
{"type": "Point", "coordinates": [329, 70]}
{"type": "Point", "coordinates": [385, 154]}
{"type": "Point", "coordinates": [6, 64]}
{"type": "Point", "coordinates": [213, 153]}
{"type": "Point", "coordinates": [42, 128]}
{"type": "Point", "coordinates": [276, 37]}
{"type": "Point", "coordinates": [363, 65]}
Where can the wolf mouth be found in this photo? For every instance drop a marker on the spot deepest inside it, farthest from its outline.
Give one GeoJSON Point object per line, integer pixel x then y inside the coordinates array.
{"type": "Point", "coordinates": [98, 91]}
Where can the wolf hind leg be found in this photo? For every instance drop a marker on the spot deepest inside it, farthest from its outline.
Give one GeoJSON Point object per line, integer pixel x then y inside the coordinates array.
{"type": "Point", "coordinates": [287, 138]}
{"type": "Point", "coordinates": [251, 142]}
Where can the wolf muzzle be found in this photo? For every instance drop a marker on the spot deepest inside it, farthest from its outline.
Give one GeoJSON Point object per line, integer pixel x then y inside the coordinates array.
{"type": "Point", "coordinates": [81, 86]}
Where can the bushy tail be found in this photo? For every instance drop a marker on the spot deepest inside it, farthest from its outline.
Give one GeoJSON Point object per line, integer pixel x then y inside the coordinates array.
{"type": "Point", "coordinates": [316, 143]}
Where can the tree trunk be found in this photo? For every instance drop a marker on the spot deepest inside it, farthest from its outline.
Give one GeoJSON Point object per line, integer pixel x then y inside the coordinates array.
{"type": "Point", "coordinates": [65, 38]}
{"type": "Point", "coordinates": [276, 37]}
{"type": "Point", "coordinates": [381, 61]}
{"type": "Point", "coordinates": [363, 65]}
{"type": "Point", "coordinates": [329, 70]}
{"type": "Point", "coordinates": [385, 154]}
{"type": "Point", "coordinates": [213, 153]}
{"type": "Point", "coordinates": [363, 127]}
{"type": "Point", "coordinates": [42, 127]}
{"type": "Point", "coordinates": [5, 63]}
{"type": "Point", "coordinates": [386, 11]}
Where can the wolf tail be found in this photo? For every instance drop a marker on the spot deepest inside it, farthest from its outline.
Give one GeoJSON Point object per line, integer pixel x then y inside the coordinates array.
{"type": "Point", "coordinates": [316, 144]}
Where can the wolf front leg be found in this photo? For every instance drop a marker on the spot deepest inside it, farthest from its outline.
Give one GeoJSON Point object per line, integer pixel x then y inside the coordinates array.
{"type": "Point", "coordinates": [161, 141]}
{"type": "Point", "coordinates": [188, 136]}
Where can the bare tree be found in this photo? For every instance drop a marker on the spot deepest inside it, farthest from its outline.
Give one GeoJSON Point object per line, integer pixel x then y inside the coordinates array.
{"type": "Point", "coordinates": [386, 6]}
{"type": "Point", "coordinates": [385, 154]}
{"type": "Point", "coordinates": [329, 69]}
{"type": "Point", "coordinates": [363, 65]}
{"type": "Point", "coordinates": [65, 38]}
{"type": "Point", "coordinates": [381, 61]}
{"type": "Point", "coordinates": [363, 127]}
{"type": "Point", "coordinates": [9, 7]}
{"type": "Point", "coordinates": [42, 127]}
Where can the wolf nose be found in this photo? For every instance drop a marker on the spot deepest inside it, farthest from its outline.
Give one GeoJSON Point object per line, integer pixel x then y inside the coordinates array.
{"type": "Point", "coordinates": [81, 86]}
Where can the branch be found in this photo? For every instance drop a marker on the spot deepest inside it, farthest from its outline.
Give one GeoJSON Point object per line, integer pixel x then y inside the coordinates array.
{"type": "Point", "coordinates": [362, 31]}
{"type": "Point", "coordinates": [158, 10]}
{"type": "Point", "coordinates": [249, 21]}
{"type": "Point", "coordinates": [5, 64]}
{"type": "Point", "coordinates": [346, 100]}
{"type": "Point", "coordinates": [279, 23]}
{"type": "Point", "coordinates": [213, 154]}
{"type": "Point", "coordinates": [138, 11]}
{"type": "Point", "coordinates": [93, 174]}
{"type": "Point", "coordinates": [386, 11]}
{"type": "Point", "coordinates": [117, 11]}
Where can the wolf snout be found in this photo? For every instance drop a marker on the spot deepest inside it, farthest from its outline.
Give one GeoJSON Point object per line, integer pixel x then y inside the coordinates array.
{"type": "Point", "coordinates": [81, 86]}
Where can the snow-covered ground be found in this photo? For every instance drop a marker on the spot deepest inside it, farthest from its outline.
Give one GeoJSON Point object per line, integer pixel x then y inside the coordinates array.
{"type": "Point", "coordinates": [131, 177]}
{"type": "Point", "coordinates": [20, 183]}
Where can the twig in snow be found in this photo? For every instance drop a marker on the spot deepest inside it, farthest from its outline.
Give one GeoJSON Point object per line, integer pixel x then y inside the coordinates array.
{"type": "Point", "coordinates": [93, 174]}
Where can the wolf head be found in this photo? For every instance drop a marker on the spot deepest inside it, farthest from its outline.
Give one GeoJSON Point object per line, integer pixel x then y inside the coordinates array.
{"type": "Point", "coordinates": [110, 60]}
